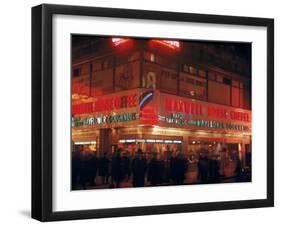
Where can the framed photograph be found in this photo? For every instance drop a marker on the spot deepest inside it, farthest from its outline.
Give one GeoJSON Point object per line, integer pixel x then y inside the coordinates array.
{"type": "Point", "coordinates": [146, 112]}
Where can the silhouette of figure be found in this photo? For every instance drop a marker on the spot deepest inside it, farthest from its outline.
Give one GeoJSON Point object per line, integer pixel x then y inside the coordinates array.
{"type": "Point", "coordinates": [214, 170]}
{"type": "Point", "coordinates": [139, 169]}
{"type": "Point", "coordinates": [92, 165]}
{"type": "Point", "coordinates": [76, 169]}
{"type": "Point", "coordinates": [178, 169]}
{"type": "Point", "coordinates": [104, 168]}
{"type": "Point", "coordinates": [85, 175]}
{"type": "Point", "coordinates": [117, 168]}
{"type": "Point", "coordinates": [154, 170]}
{"type": "Point", "coordinates": [126, 164]}
{"type": "Point", "coordinates": [238, 170]}
{"type": "Point", "coordinates": [203, 168]}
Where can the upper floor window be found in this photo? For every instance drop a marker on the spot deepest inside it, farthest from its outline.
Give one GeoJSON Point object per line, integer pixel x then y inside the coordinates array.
{"type": "Point", "coordinates": [76, 72]}
{"type": "Point", "coordinates": [102, 64]}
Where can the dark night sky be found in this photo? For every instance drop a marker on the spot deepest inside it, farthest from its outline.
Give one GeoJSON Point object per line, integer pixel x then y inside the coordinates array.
{"type": "Point", "coordinates": [242, 50]}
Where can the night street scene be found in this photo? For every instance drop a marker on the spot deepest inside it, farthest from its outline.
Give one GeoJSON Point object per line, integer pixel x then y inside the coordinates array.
{"type": "Point", "coordinates": [159, 112]}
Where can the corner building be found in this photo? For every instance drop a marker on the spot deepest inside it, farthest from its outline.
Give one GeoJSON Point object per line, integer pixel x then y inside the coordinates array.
{"type": "Point", "coordinates": [161, 96]}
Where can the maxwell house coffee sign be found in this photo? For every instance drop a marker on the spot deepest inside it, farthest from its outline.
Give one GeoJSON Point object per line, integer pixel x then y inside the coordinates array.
{"type": "Point", "coordinates": [188, 113]}
{"type": "Point", "coordinates": [110, 103]}
{"type": "Point", "coordinates": [122, 107]}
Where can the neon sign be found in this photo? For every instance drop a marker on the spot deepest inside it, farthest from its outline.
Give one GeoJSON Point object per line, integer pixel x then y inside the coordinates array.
{"type": "Point", "coordinates": [169, 43]}
{"type": "Point", "coordinates": [104, 119]}
{"type": "Point", "coordinates": [144, 99]}
{"type": "Point", "coordinates": [180, 107]}
{"type": "Point", "coordinates": [205, 123]}
{"type": "Point", "coordinates": [118, 41]}
{"type": "Point", "coordinates": [106, 104]}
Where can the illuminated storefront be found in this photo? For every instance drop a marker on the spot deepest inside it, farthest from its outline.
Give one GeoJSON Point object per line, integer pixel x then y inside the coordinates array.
{"type": "Point", "coordinates": [150, 96]}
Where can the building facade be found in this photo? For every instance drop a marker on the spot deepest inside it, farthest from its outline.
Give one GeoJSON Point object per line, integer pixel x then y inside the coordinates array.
{"type": "Point", "coordinates": [161, 96]}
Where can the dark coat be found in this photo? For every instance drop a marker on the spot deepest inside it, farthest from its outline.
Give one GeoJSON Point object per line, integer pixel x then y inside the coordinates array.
{"type": "Point", "coordinates": [104, 166]}
{"type": "Point", "coordinates": [178, 169]}
{"type": "Point", "coordinates": [214, 170]}
{"type": "Point", "coordinates": [139, 169]}
{"type": "Point", "coordinates": [154, 172]}
{"type": "Point", "coordinates": [117, 169]}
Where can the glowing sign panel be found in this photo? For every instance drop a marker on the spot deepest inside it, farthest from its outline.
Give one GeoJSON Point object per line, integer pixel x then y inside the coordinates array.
{"type": "Point", "coordinates": [118, 41]}
{"type": "Point", "coordinates": [170, 43]}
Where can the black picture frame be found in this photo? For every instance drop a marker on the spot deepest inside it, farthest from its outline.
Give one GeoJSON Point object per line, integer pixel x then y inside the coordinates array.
{"type": "Point", "coordinates": [42, 107]}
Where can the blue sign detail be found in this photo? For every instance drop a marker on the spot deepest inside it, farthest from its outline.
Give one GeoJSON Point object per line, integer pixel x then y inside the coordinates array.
{"type": "Point", "coordinates": [145, 98]}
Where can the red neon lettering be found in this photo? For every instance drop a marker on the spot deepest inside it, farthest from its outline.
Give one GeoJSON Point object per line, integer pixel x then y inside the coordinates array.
{"type": "Point", "coordinates": [132, 100]}
{"type": "Point", "coordinates": [239, 116]}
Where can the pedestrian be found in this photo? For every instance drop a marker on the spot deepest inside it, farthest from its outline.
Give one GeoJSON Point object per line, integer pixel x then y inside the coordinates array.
{"type": "Point", "coordinates": [76, 169]}
{"type": "Point", "coordinates": [203, 168]}
{"type": "Point", "coordinates": [161, 168]}
{"type": "Point", "coordinates": [104, 168]}
{"type": "Point", "coordinates": [116, 169]}
{"type": "Point", "coordinates": [178, 169]}
{"type": "Point", "coordinates": [92, 167]}
{"type": "Point", "coordinates": [85, 169]}
{"type": "Point", "coordinates": [139, 169]}
{"type": "Point", "coordinates": [214, 170]}
{"type": "Point", "coordinates": [154, 172]}
{"type": "Point", "coordinates": [126, 164]}
{"type": "Point", "coordinates": [238, 170]}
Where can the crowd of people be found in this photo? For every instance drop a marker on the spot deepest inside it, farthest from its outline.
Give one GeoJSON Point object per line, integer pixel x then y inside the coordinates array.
{"type": "Point", "coordinates": [140, 170]}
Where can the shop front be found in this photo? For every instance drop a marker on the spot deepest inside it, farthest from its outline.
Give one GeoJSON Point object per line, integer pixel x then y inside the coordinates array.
{"type": "Point", "coordinates": [163, 123]}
